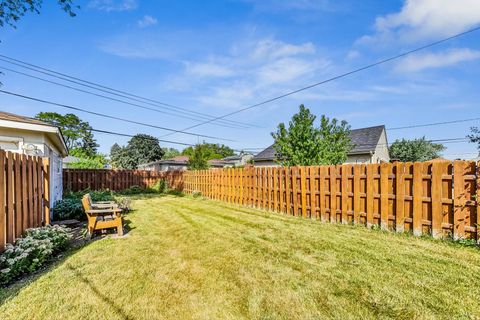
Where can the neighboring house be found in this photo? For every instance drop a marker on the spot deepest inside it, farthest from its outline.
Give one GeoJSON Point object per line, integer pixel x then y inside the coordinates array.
{"type": "Point", "coordinates": [173, 164]}
{"type": "Point", "coordinates": [176, 163]}
{"type": "Point", "coordinates": [34, 137]}
{"type": "Point", "coordinates": [67, 161]}
{"type": "Point", "coordinates": [238, 160]}
{"type": "Point", "coordinates": [370, 146]}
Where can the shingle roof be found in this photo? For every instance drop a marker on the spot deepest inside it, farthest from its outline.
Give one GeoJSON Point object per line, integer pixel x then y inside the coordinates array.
{"type": "Point", "coordinates": [364, 140]}
{"type": "Point", "coordinates": [14, 117]}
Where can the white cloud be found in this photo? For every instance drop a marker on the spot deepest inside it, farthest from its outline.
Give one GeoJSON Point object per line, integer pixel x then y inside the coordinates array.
{"type": "Point", "coordinates": [208, 69]}
{"type": "Point", "coordinates": [257, 68]}
{"type": "Point", "coordinates": [424, 61]}
{"type": "Point", "coordinates": [269, 48]}
{"type": "Point", "coordinates": [113, 5]}
{"type": "Point", "coordinates": [426, 19]}
{"type": "Point", "coordinates": [147, 21]}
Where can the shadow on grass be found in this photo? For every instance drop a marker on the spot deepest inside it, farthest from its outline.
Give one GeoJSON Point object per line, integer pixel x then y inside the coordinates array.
{"type": "Point", "coordinates": [98, 293]}
{"type": "Point", "coordinates": [13, 289]}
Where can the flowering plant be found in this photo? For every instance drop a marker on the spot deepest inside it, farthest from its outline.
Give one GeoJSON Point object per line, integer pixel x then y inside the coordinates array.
{"type": "Point", "coordinates": [31, 251]}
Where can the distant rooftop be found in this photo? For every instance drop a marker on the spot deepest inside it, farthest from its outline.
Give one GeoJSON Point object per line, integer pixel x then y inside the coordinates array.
{"type": "Point", "coordinates": [365, 140]}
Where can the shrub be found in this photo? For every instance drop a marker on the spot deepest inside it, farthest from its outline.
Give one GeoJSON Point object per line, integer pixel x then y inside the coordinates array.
{"type": "Point", "coordinates": [31, 251]}
{"type": "Point", "coordinates": [58, 235]}
{"type": "Point", "coordinates": [69, 208]}
{"type": "Point", "coordinates": [161, 186]}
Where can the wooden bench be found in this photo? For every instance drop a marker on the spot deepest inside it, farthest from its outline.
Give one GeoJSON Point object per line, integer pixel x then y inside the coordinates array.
{"type": "Point", "coordinates": [102, 216]}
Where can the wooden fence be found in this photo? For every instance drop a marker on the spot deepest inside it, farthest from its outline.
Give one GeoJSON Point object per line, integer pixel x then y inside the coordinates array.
{"type": "Point", "coordinates": [436, 198]}
{"type": "Point", "coordinates": [24, 199]}
{"type": "Point", "coordinates": [94, 179]}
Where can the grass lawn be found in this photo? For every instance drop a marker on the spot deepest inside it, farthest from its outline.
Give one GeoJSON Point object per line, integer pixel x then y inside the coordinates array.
{"type": "Point", "coordinates": [188, 258]}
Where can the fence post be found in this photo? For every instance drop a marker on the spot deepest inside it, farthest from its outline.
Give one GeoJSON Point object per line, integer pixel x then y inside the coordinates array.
{"type": "Point", "coordinates": [459, 200]}
{"type": "Point", "coordinates": [333, 194]}
{"type": "Point", "coordinates": [400, 197]}
{"type": "Point", "coordinates": [384, 195]}
{"type": "Point", "coordinates": [417, 198]}
{"type": "Point", "coordinates": [344, 196]}
{"type": "Point", "coordinates": [356, 194]}
{"type": "Point", "coordinates": [46, 190]}
{"type": "Point", "coordinates": [2, 202]}
{"type": "Point", "coordinates": [303, 186]}
{"type": "Point", "coordinates": [437, 214]}
{"type": "Point", "coordinates": [477, 199]}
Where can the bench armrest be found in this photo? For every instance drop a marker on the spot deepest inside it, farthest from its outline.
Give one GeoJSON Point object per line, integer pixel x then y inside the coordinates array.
{"type": "Point", "coordinates": [104, 211]}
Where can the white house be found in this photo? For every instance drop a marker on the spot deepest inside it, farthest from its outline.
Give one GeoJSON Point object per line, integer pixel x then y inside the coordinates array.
{"type": "Point", "coordinates": [370, 145]}
{"type": "Point", "coordinates": [33, 137]}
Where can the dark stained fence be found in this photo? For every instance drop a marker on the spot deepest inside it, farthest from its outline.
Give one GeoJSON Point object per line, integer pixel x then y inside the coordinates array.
{"type": "Point", "coordinates": [116, 180]}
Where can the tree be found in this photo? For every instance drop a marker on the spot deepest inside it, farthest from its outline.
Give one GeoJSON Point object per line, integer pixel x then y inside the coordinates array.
{"type": "Point", "coordinates": [12, 10]}
{"type": "Point", "coordinates": [170, 153]}
{"type": "Point", "coordinates": [415, 150]}
{"type": "Point", "coordinates": [85, 161]}
{"type": "Point", "coordinates": [198, 159]}
{"type": "Point", "coordinates": [475, 136]}
{"type": "Point", "coordinates": [303, 144]}
{"type": "Point", "coordinates": [77, 133]}
{"type": "Point", "coordinates": [142, 148]}
{"type": "Point", "coordinates": [212, 150]}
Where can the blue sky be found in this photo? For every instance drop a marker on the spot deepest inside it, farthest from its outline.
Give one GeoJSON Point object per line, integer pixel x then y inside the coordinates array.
{"type": "Point", "coordinates": [217, 56]}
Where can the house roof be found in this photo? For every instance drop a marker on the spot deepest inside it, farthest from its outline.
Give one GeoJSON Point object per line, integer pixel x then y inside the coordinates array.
{"type": "Point", "coordinates": [10, 120]}
{"type": "Point", "coordinates": [365, 140]}
{"type": "Point", "coordinates": [17, 118]}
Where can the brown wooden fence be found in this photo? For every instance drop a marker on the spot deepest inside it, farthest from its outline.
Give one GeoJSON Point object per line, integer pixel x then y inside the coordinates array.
{"type": "Point", "coordinates": [24, 199]}
{"type": "Point", "coordinates": [437, 198]}
{"type": "Point", "coordinates": [116, 180]}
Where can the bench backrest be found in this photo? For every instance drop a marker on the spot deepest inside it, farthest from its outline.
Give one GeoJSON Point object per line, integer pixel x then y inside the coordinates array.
{"type": "Point", "coordinates": [86, 202]}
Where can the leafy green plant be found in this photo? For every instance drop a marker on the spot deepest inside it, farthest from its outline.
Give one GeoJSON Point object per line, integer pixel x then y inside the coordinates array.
{"type": "Point", "coordinates": [69, 208]}
{"type": "Point", "coordinates": [161, 186]}
{"type": "Point", "coordinates": [31, 252]}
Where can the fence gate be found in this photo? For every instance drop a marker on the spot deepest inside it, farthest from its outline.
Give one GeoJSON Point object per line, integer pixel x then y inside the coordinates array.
{"type": "Point", "coordinates": [24, 197]}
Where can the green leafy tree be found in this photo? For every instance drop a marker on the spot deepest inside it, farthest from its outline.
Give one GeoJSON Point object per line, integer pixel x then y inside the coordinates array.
{"type": "Point", "coordinates": [303, 144]}
{"type": "Point", "coordinates": [198, 159]}
{"type": "Point", "coordinates": [212, 150]}
{"type": "Point", "coordinates": [85, 161]}
{"type": "Point", "coordinates": [12, 10]}
{"type": "Point", "coordinates": [76, 132]}
{"type": "Point", "coordinates": [475, 136]}
{"type": "Point", "coordinates": [415, 150]}
{"type": "Point", "coordinates": [170, 153]}
{"type": "Point", "coordinates": [142, 148]}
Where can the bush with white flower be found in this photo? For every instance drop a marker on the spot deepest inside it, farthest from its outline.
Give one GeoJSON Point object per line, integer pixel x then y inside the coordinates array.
{"type": "Point", "coordinates": [31, 251]}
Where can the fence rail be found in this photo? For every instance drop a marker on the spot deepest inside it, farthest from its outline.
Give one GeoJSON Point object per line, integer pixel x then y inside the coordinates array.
{"type": "Point", "coordinates": [116, 180]}
{"type": "Point", "coordinates": [24, 197]}
{"type": "Point", "coordinates": [436, 198]}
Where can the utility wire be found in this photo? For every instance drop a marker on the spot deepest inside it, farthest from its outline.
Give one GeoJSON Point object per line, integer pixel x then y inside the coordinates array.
{"type": "Point", "coordinates": [114, 99]}
{"type": "Point", "coordinates": [433, 124]}
{"type": "Point", "coordinates": [108, 116]}
{"type": "Point", "coordinates": [111, 91]}
{"type": "Point", "coordinates": [403, 54]}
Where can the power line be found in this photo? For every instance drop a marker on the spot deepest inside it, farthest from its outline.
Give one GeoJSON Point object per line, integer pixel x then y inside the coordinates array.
{"type": "Point", "coordinates": [111, 91]}
{"type": "Point", "coordinates": [131, 136]}
{"type": "Point", "coordinates": [339, 76]}
{"type": "Point", "coordinates": [113, 99]}
{"type": "Point", "coordinates": [433, 124]}
{"type": "Point", "coordinates": [108, 116]}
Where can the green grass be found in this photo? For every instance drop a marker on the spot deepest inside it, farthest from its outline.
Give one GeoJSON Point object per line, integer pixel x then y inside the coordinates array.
{"type": "Point", "coordinates": [197, 259]}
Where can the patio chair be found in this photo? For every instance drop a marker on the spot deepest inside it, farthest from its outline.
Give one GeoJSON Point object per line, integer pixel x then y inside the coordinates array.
{"type": "Point", "coordinates": [102, 217]}
{"type": "Point", "coordinates": [101, 204]}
